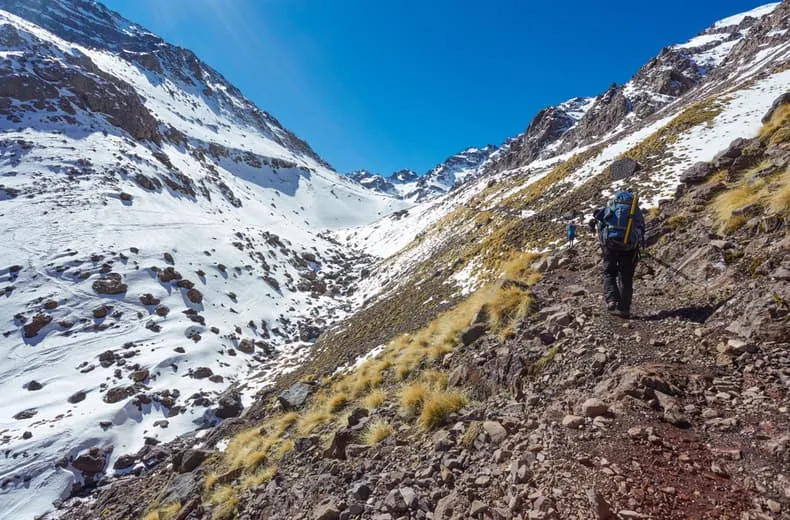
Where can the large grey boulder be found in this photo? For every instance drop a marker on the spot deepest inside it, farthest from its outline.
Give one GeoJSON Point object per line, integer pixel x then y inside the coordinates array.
{"type": "Point", "coordinates": [624, 168]}
{"type": "Point", "coordinates": [295, 396]}
{"type": "Point", "coordinates": [229, 405]}
{"type": "Point", "coordinates": [697, 174]}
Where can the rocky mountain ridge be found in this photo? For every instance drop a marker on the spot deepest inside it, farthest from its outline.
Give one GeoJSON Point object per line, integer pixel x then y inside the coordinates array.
{"type": "Point", "coordinates": [437, 181]}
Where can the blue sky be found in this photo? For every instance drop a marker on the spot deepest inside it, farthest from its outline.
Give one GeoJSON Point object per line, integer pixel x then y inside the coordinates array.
{"type": "Point", "coordinates": [385, 85]}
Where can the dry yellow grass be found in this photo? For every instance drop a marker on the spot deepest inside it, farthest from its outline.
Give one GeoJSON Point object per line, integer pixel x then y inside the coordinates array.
{"type": "Point", "coordinates": [472, 431]}
{"type": "Point", "coordinates": [337, 401]}
{"type": "Point", "coordinates": [248, 449]}
{"type": "Point", "coordinates": [166, 512]}
{"type": "Point", "coordinates": [211, 480]}
{"type": "Point", "coordinates": [544, 361]}
{"type": "Point", "coordinates": [508, 305]}
{"type": "Point", "coordinates": [226, 500]}
{"type": "Point", "coordinates": [285, 421]}
{"type": "Point", "coordinates": [376, 431]}
{"type": "Point", "coordinates": [282, 449]}
{"type": "Point", "coordinates": [436, 379]}
{"type": "Point", "coordinates": [779, 201]}
{"type": "Point", "coordinates": [261, 476]}
{"type": "Point", "coordinates": [312, 420]}
{"type": "Point", "coordinates": [438, 406]}
{"type": "Point", "coordinates": [412, 397]}
{"type": "Point", "coordinates": [779, 121]}
{"type": "Point", "coordinates": [374, 399]}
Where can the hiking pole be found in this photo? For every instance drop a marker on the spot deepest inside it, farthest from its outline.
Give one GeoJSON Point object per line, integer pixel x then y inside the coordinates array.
{"type": "Point", "coordinates": [671, 268]}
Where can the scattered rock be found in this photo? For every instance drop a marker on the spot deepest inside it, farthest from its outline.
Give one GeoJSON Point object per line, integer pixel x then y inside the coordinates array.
{"type": "Point", "coordinates": [600, 508]}
{"type": "Point", "coordinates": [195, 296]}
{"type": "Point", "coordinates": [326, 511]}
{"type": "Point", "coordinates": [34, 385]}
{"type": "Point", "coordinates": [90, 463]}
{"type": "Point", "coordinates": [229, 405]}
{"type": "Point", "coordinates": [77, 397]}
{"type": "Point", "coordinates": [573, 421]}
{"type": "Point", "coordinates": [295, 396]}
{"type": "Point", "coordinates": [473, 333]}
{"type": "Point", "coordinates": [594, 408]}
{"type": "Point", "coordinates": [187, 461]}
{"type": "Point", "coordinates": [118, 393]}
{"type": "Point", "coordinates": [25, 414]}
{"type": "Point", "coordinates": [495, 431]}
{"type": "Point", "coordinates": [38, 322]}
{"type": "Point", "coordinates": [110, 284]}
{"type": "Point", "coordinates": [124, 462]}
{"type": "Point", "coordinates": [202, 373]}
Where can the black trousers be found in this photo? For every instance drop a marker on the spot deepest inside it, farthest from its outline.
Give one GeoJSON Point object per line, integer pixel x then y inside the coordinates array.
{"type": "Point", "coordinates": [618, 276]}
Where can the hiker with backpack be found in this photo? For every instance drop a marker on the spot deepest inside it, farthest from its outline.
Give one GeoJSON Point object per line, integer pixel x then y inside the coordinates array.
{"type": "Point", "coordinates": [571, 233]}
{"type": "Point", "coordinates": [621, 231]}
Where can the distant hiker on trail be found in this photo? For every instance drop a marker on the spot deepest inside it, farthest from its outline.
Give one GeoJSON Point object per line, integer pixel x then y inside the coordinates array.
{"type": "Point", "coordinates": [621, 231]}
{"type": "Point", "coordinates": [571, 230]}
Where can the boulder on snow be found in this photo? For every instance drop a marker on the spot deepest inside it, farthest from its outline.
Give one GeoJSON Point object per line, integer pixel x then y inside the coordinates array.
{"type": "Point", "coordinates": [229, 405]}
{"type": "Point", "coordinates": [112, 283]}
{"type": "Point", "coordinates": [92, 462]}
{"type": "Point", "coordinates": [623, 168]}
{"type": "Point", "coordinates": [38, 322]}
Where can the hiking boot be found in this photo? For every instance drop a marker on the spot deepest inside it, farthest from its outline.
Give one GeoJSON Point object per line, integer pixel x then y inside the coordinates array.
{"type": "Point", "coordinates": [623, 314]}
{"type": "Point", "coordinates": [611, 306]}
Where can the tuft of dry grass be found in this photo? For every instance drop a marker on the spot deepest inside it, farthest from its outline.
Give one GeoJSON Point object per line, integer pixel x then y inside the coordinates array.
{"type": "Point", "coordinates": [436, 379]}
{"type": "Point", "coordinates": [210, 482]}
{"type": "Point", "coordinates": [779, 200]}
{"type": "Point", "coordinates": [509, 305]}
{"type": "Point", "coordinates": [472, 431]}
{"type": "Point", "coordinates": [412, 397]}
{"type": "Point", "coordinates": [226, 500]}
{"type": "Point", "coordinates": [779, 121]}
{"type": "Point", "coordinates": [376, 431]}
{"type": "Point", "coordinates": [282, 449]}
{"type": "Point", "coordinates": [166, 512]}
{"type": "Point", "coordinates": [544, 361]}
{"type": "Point", "coordinates": [517, 266]}
{"type": "Point", "coordinates": [261, 476]}
{"type": "Point", "coordinates": [312, 420]}
{"type": "Point", "coordinates": [248, 449]}
{"type": "Point", "coordinates": [337, 401]}
{"type": "Point", "coordinates": [438, 406]}
{"type": "Point", "coordinates": [374, 399]}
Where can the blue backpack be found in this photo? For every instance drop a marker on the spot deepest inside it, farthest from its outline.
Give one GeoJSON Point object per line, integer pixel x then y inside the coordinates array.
{"type": "Point", "coordinates": [615, 222]}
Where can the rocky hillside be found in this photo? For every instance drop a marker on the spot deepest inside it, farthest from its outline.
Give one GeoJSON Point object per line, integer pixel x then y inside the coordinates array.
{"type": "Point", "coordinates": [524, 398]}
{"type": "Point", "coordinates": [203, 321]}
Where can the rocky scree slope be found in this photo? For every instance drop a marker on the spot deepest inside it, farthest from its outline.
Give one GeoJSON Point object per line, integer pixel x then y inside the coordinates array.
{"type": "Point", "coordinates": [566, 412]}
{"type": "Point", "coordinates": [166, 247]}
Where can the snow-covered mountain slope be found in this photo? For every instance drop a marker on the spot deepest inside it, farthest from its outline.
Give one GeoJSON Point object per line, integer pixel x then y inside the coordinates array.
{"type": "Point", "coordinates": [166, 247]}
{"type": "Point", "coordinates": [451, 173]}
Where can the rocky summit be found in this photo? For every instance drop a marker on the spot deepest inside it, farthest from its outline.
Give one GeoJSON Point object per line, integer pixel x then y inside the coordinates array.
{"type": "Point", "coordinates": [200, 319]}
